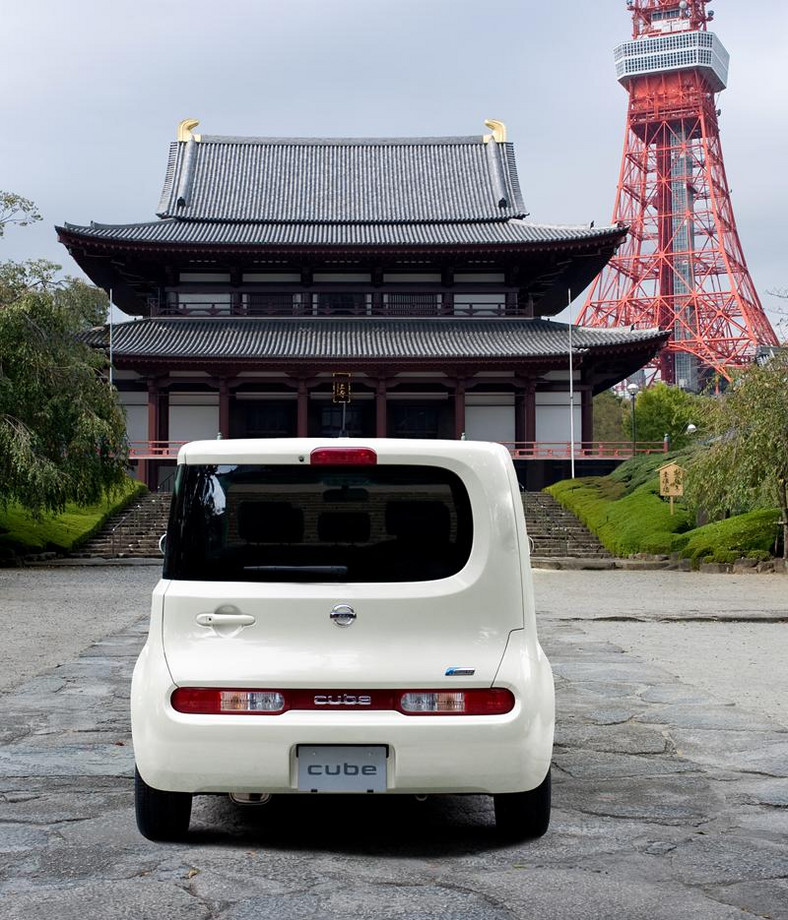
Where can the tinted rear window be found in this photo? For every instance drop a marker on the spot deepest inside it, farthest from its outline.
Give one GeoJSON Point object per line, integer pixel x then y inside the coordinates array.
{"type": "Point", "coordinates": [315, 523]}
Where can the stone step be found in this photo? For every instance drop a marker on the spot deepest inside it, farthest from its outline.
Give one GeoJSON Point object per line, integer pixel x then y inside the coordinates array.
{"type": "Point", "coordinates": [136, 530]}
{"type": "Point", "coordinates": [556, 531]}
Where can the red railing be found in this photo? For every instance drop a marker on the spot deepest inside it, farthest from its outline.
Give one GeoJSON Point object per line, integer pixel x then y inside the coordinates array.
{"type": "Point", "coordinates": [520, 450]}
{"type": "Point", "coordinates": [154, 450]}
{"type": "Point", "coordinates": [560, 450]}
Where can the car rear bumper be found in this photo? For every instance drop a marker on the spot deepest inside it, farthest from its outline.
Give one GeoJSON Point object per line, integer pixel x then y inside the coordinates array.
{"type": "Point", "coordinates": [259, 753]}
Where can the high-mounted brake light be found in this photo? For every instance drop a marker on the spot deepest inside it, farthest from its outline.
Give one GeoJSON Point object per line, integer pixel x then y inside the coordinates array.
{"type": "Point", "coordinates": [343, 456]}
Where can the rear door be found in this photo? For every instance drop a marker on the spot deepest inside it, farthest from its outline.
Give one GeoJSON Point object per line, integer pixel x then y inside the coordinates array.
{"type": "Point", "coordinates": [345, 576]}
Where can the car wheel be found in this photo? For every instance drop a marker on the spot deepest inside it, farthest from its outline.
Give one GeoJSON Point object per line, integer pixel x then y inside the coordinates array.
{"type": "Point", "coordinates": [523, 815]}
{"type": "Point", "coordinates": [161, 815]}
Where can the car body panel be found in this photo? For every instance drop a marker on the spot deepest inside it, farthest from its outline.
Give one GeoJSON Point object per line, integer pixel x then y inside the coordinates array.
{"type": "Point", "coordinates": [406, 635]}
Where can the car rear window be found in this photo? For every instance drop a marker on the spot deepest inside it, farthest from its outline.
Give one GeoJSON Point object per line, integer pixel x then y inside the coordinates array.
{"type": "Point", "coordinates": [316, 523]}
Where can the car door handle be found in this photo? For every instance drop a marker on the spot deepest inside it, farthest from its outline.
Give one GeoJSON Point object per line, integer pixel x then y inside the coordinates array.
{"type": "Point", "coordinates": [225, 619]}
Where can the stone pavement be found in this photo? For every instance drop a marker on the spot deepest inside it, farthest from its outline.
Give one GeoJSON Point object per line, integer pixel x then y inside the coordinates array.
{"type": "Point", "coordinates": [667, 805]}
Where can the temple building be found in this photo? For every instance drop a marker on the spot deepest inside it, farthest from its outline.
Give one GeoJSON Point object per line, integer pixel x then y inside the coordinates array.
{"type": "Point", "coordinates": [368, 286]}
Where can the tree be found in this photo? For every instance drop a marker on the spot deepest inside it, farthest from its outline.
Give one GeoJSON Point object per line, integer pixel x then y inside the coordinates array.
{"type": "Point", "coordinates": [62, 432]}
{"type": "Point", "coordinates": [662, 409]}
{"type": "Point", "coordinates": [745, 465]}
{"type": "Point", "coordinates": [609, 417]}
{"type": "Point", "coordinates": [14, 209]}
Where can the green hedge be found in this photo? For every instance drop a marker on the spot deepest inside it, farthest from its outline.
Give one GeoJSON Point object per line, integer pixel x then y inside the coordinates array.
{"type": "Point", "coordinates": [628, 515]}
{"type": "Point", "coordinates": [622, 525]}
{"type": "Point", "coordinates": [21, 534]}
{"type": "Point", "coordinates": [750, 534]}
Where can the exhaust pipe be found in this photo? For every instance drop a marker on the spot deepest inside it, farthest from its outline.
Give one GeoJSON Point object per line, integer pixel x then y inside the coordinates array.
{"type": "Point", "coordinates": [250, 798]}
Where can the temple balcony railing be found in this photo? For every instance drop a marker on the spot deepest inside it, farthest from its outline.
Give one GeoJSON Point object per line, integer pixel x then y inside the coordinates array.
{"type": "Point", "coordinates": [520, 450]}
{"type": "Point", "coordinates": [583, 450]}
{"type": "Point", "coordinates": [154, 450]}
{"type": "Point", "coordinates": [352, 304]}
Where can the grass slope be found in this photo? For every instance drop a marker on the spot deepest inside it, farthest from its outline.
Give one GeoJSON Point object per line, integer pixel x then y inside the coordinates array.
{"type": "Point", "coordinates": [21, 534]}
{"type": "Point", "coordinates": [628, 515]}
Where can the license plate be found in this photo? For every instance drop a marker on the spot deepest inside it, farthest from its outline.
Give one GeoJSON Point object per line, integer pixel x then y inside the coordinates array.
{"type": "Point", "coordinates": [341, 768]}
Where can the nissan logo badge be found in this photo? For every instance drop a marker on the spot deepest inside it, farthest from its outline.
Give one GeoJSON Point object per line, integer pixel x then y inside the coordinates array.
{"type": "Point", "coordinates": [343, 615]}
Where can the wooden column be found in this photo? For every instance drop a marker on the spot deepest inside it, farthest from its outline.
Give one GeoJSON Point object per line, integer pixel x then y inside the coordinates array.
{"type": "Point", "coordinates": [148, 470]}
{"type": "Point", "coordinates": [164, 414]}
{"type": "Point", "coordinates": [158, 429]}
{"type": "Point", "coordinates": [381, 422]}
{"type": "Point", "coordinates": [459, 409]}
{"type": "Point", "coordinates": [302, 412]}
{"type": "Point", "coordinates": [586, 415]}
{"type": "Point", "coordinates": [153, 410]}
{"type": "Point", "coordinates": [224, 407]}
{"type": "Point", "coordinates": [519, 415]}
{"type": "Point", "coordinates": [530, 412]}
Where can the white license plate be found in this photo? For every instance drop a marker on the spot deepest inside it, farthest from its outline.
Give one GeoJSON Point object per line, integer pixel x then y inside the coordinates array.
{"type": "Point", "coordinates": [341, 768]}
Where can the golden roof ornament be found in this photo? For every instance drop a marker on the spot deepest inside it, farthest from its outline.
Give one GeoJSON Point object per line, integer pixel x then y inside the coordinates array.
{"type": "Point", "coordinates": [498, 129]}
{"type": "Point", "coordinates": [185, 130]}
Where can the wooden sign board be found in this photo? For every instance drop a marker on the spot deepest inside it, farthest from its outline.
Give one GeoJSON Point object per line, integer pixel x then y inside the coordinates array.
{"type": "Point", "coordinates": [671, 482]}
{"type": "Point", "coordinates": [341, 388]}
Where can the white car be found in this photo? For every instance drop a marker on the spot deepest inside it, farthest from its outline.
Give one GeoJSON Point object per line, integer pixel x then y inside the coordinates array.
{"type": "Point", "coordinates": [343, 616]}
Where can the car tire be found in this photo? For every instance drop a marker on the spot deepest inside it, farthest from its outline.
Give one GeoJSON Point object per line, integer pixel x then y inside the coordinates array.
{"type": "Point", "coordinates": [161, 815]}
{"type": "Point", "coordinates": [523, 815]}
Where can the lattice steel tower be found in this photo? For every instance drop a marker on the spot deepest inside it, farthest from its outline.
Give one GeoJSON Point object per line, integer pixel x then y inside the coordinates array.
{"type": "Point", "coordinates": [682, 266]}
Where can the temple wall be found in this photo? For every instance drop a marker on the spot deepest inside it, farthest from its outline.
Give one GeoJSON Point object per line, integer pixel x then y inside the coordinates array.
{"type": "Point", "coordinates": [193, 416]}
{"type": "Point", "coordinates": [552, 417]}
{"type": "Point", "coordinates": [135, 405]}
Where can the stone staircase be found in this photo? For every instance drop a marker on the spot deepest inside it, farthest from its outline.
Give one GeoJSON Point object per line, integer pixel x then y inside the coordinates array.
{"type": "Point", "coordinates": [133, 532]}
{"type": "Point", "coordinates": [556, 532]}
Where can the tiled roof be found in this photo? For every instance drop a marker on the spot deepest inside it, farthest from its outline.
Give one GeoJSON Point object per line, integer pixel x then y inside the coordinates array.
{"type": "Point", "coordinates": [240, 338]}
{"type": "Point", "coordinates": [209, 233]}
{"type": "Point", "coordinates": [341, 180]}
{"type": "Point", "coordinates": [341, 192]}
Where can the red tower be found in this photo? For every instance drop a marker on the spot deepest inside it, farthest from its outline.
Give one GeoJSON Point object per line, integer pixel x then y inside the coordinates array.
{"type": "Point", "coordinates": [682, 266]}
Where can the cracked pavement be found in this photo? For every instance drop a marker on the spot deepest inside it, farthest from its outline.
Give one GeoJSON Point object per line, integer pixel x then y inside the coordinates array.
{"type": "Point", "coordinates": [669, 795]}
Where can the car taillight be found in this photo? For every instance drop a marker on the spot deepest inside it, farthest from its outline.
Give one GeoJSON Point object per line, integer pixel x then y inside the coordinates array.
{"type": "Point", "coordinates": [209, 701]}
{"type": "Point", "coordinates": [456, 702]}
{"type": "Point", "coordinates": [343, 456]}
{"type": "Point", "coordinates": [223, 701]}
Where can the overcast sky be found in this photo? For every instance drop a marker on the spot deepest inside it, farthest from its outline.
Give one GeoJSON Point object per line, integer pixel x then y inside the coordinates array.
{"type": "Point", "coordinates": [93, 91]}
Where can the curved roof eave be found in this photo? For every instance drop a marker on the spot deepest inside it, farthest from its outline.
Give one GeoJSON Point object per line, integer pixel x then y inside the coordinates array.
{"type": "Point", "coordinates": [171, 235]}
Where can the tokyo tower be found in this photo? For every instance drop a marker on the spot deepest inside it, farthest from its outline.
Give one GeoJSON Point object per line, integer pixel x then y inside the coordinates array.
{"type": "Point", "coordinates": [682, 266]}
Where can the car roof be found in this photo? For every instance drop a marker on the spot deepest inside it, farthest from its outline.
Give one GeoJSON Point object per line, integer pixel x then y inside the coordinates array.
{"type": "Point", "coordinates": [297, 450]}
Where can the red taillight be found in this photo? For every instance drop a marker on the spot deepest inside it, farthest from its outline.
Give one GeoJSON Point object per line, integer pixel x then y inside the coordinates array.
{"type": "Point", "coordinates": [221, 701]}
{"type": "Point", "coordinates": [343, 456]}
{"type": "Point", "coordinates": [226, 701]}
{"type": "Point", "coordinates": [456, 702]}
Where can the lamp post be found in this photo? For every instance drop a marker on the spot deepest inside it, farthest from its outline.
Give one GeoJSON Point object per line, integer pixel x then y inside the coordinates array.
{"type": "Point", "coordinates": [633, 389]}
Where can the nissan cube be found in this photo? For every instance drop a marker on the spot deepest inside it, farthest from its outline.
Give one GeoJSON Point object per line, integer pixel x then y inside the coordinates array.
{"type": "Point", "coordinates": [343, 616]}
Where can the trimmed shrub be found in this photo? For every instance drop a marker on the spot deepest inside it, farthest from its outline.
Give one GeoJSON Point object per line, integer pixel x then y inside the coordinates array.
{"type": "Point", "coordinates": [22, 534]}
{"type": "Point", "coordinates": [728, 540]}
{"type": "Point", "coordinates": [628, 515]}
{"type": "Point", "coordinates": [621, 525]}
{"type": "Point", "coordinates": [663, 543]}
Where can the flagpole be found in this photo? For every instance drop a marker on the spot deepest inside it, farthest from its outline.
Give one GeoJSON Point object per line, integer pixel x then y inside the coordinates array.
{"type": "Point", "coordinates": [111, 355]}
{"type": "Point", "coordinates": [571, 391]}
